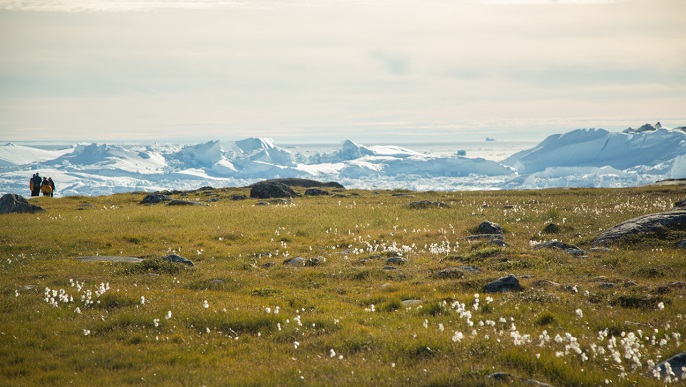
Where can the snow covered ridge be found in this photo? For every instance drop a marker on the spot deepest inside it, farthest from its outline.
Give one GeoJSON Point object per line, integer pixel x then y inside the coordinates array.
{"type": "Point", "coordinates": [581, 158]}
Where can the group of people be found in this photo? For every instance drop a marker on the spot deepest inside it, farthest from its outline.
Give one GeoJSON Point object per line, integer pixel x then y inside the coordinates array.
{"type": "Point", "coordinates": [44, 185]}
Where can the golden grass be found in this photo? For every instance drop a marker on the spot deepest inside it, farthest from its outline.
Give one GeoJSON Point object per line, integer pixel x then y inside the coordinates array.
{"type": "Point", "coordinates": [343, 321]}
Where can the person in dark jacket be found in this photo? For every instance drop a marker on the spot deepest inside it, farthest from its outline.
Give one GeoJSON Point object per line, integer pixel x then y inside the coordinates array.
{"type": "Point", "coordinates": [37, 181]}
{"type": "Point", "coordinates": [52, 185]}
{"type": "Point", "coordinates": [46, 188]}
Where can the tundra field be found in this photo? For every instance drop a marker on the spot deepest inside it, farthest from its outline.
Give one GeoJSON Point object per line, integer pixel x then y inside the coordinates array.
{"type": "Point", "coordinates": [369, 303]}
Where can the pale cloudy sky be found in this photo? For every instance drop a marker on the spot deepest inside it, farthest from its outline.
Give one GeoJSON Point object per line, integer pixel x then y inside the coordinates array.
{"type": "Point", "coordinates": [327, 70]}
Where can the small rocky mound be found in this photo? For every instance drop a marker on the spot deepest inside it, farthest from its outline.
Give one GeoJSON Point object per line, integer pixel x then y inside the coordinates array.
{"type": "Point", "coordinates": [238, 197]}
{"type": "Point", "coordinates": [427, 204]}
{"type": "Point", "coordinates": [306, 183]}
{"type": "Point", "coordinates": [271, 189]}
{"type": "Point", "coordinates": [509, 283]}
{"type": "Point", "coordinates": [396, 260]}
{"type": "Point", "coordinates": [316, 192]}
{"type": "Point", "coordinates": [13, 204]}
{"type": "Point", "coordinates": [557, 245]}
{"type": "Point", "coordinates": [155, 198]}
{"type": "Point", "coordinates": [489, 228]}
{"type": "Point", "coordinates": [178, 259]}
{"type": "Point", "coordinates": [551, 228]}
{"type": "Point", "coordinates": [646, 224]}
{"type": "Point", "coordinates": [179, 202]}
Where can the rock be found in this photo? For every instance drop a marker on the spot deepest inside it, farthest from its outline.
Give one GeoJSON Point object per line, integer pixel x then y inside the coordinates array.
{"type": "Point", "coordinates": [646, 224]}
{"type": "Point", "coordinates": [501, 377]}
{"type": "Point", "coordinates": [389, 268]}
{"type": "Point", "coordinates": [13, 204]}
{"type": "Point", "coordinates": [489, 228]}
{"type": "Point", "coordinates": [557, 245]}
{"type": "Point", "coordinates": [179, 202]}
{"type": "Point", "coordinates": [551, 228]}
{"type": "Point", "coordinates": [267, 265]}
{"type": "Point", "coordinates": [306, 183]}
{"type": "Point", "coordinates": [410, 302]}
{"type": "Point", "coordinates": [297, 261]}
{"type": "Point", "coordinates": [178, 259]}
{"type": "Point", "coordinates": [427, 204]}
{"type": "Point", "coordinates": [155, 198]}
{"type": "Point", "coordinates": [680, 204]}
{"type": "Point", "coordinates": [271, 189]}
{"type": "Point", "coordinates": [402, 195]}
{"type": "Point", "coordinates": [238, 197]}
{"type": "Point", "coordinates": [674, 363]}
{"type": "Point", "coordinates": [682, 244]}
{"type": "Point", "coordinates": [316, 192]}
{"type": "Point", "coordinates": [509, 283]}
{"type": "Point", "coordinates": [534, 382]}
{"type": "Point", "coordinates": [397, 260]}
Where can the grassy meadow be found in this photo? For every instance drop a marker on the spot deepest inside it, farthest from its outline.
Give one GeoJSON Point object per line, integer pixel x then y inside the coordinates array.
{"type": "Point", "coordinates": [348, 318]}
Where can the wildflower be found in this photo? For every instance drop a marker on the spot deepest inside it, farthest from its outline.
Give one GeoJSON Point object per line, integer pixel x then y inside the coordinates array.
{"type": "Point", "coordinates": [440, 327]}
{"type": "Point", "coordinates": [77, 310]}
{"type": "Point", "coordinates": [86, 332]}
{"type": "Point", "coordinates": [332, 353]}
{"type": "Point", "coordinates": [205, 304]}
{"type": "Point", "coordinates": [169, 315]}
{"type": "Point", "coordinates": [458, 336]}
{"type": "Point", "coordinates": [142, 300]}
{"type": "Point", "coordinates": [156, 322]}
{"type": "Point", "coordinates": [661, 305]}
{"type": "Point", "coordinates": [268, 310]}
{"type": "Point", "coordinates": [580, 313]}
{"type": "Point", "coordinates": [296, 344]}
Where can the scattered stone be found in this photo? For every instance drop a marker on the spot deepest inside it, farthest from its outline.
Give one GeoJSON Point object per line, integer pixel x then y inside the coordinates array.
{"type": "Point", "coordinates": [267, 265]}
{"type": "Point", "coordinates": [315, 261]}
{"type": "Point", "coordinates": [509, 283]}
{"type": "Point", "coordinates": [551, 228]}
{"type": "Point", "coordinates": [155, 198]}
{"type": "Point", "coordinates": [534, 382]}
{"type": "Point", "coordinates": [262, 203]}
{"type": "Point", "coordinates": [340, 195]}
{"type": "Point", "coordinates": [13, 204]}
{"type": "Point", "coordinates": [676, 364]}
{"type": "Point", "coordinates": [487, 227]}
{"type": "Point", "coordinates": [427, 204]}
{"type": "Point", "coordinates": [598, 249]}
{"type": "Point", "coordinates": [109, 258]}
{"type": "Point", "coordinates": [389, 268]}
{"type": "Point", "coordinates": [508, 207]}
{"type": "Point", "coordinates": [179, 202]}
{"type": "Point", "coordinates": [411, 302]}
{"type": "Point", "coordinates": [238, 197]}
{"type": "Point", "coordinates": [682, 244]}
{"type": "Point", "coordinates": [316, 192]}
{"type": "Point", "coordinates": [178, 259]}
{"type": "Point", "coordinates": [646, 224]}
{"type": "Point", "coordinates": [297, 261]}
{"type": "Point", "coordinates": [680, 204]}
{"type": "Point", "coordinates": [470, 269]}
{"type": "Point", "coordinates": [402, 195]}
{"type": "Point", "coordinates": [397, 260]}
{"type": "Point", "coordinates": [281, 201]}
{"type": "Point", "coordinates": [557, 245]}
{"type": "Point", "coordinates": [213, 200]}
{"type": "Point", "coordinates": [271, 189]}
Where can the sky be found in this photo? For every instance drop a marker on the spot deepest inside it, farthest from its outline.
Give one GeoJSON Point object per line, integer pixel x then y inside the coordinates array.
{"type": "Point", "coordinates": [383, 71]}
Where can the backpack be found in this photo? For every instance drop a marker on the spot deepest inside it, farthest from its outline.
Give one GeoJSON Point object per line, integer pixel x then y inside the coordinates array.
{"type": "Point", "coordinates": [46, 188]}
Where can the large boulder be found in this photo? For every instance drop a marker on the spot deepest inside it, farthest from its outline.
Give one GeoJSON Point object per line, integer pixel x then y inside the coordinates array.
{"type": "Point", "coordinates": [155, 198]}
{"type": "Point", "coordinates": [557, 245]}
{"type": "Point", "coordinates": [271, 189]}
{"type": "Point", "coordinates": [13, 203]}
{"type": "Point", "coordinates": [509, 283]}
{"type": "Point", "coordinates": [672, 368]}
{"type": "Point", "coordinates": [646, 224]}
{"type": "Point", "coordinates": [489, 228]}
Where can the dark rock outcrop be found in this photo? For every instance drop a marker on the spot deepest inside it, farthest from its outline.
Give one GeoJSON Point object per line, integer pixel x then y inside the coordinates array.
{"type": "Point", "coordinates": [674, 364]}
{"type": "Point", "coordinates": [271, 189]}
{"type": "Point", "coordinates": [646, 224]}
{"type": "Point", "coordinates": [178, 259]}
{"type": "Point", "coordinates": [155, 198]}
{"type": "Point", "coordinates": [509, 283]}
{"type": "Point", "coordinates": [396, 260]}
{"type": "Point", "coordinates": [489, 228]}
{"type": "Point", "coordinates": [13, 203]}
{"type": "Point", "coordinates": [238, 197]}
{"type": "Point", "coordinates": [306, 183]}
{"type": "Point", "coordinates": [551, 228]}
{"type": "Point", "coordinates": [316, 192]}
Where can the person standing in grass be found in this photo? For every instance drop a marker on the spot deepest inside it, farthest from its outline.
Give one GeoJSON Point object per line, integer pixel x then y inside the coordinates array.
{"type": "Point", "coordinates": [35, 187]}
{"type": "Point", "coordinates": [52, 187]}
{"type": "Point", "coordinates": [33, 192]}
{"type": "Point", "coordinates": [46, 188]}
